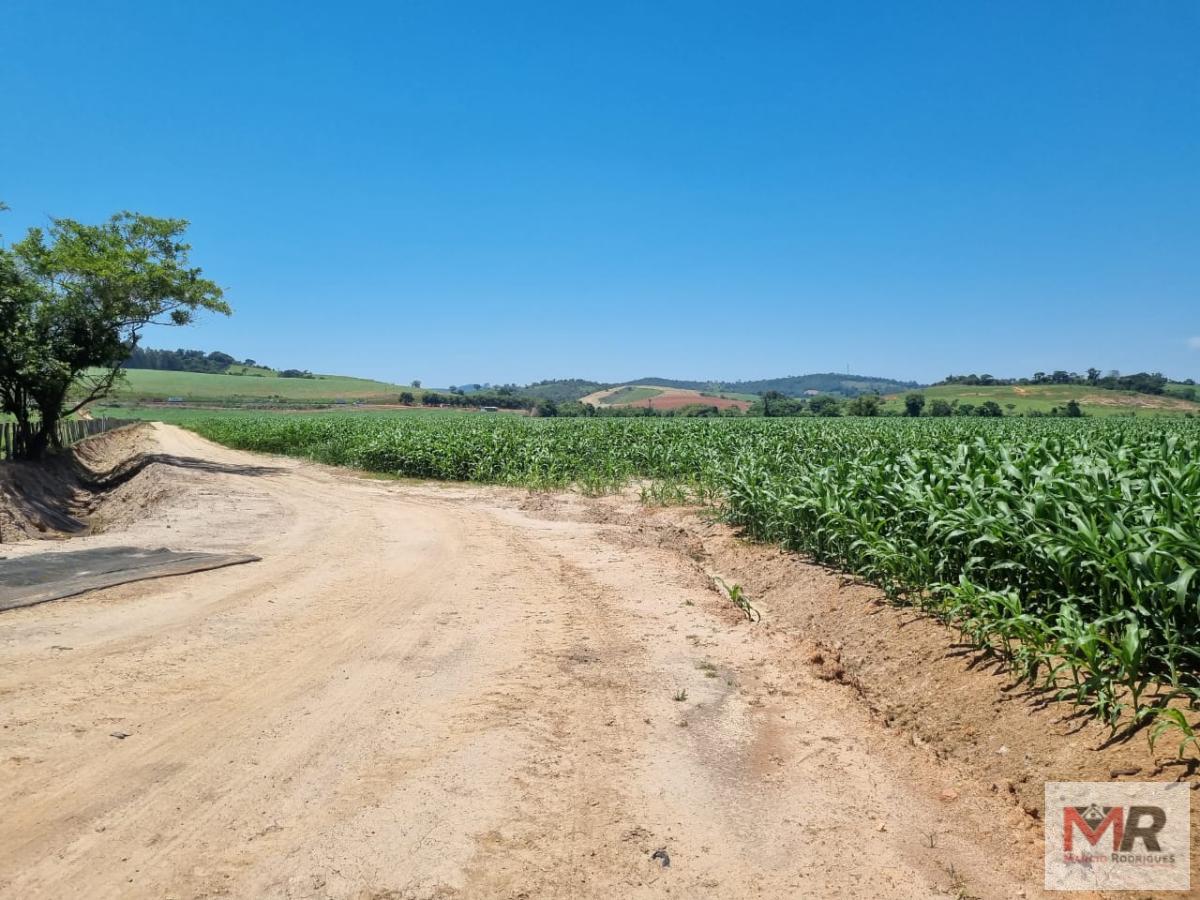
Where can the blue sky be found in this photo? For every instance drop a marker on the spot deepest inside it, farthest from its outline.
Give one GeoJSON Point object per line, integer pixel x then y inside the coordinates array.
{"type": "Point", "coordinates": [511, 191]}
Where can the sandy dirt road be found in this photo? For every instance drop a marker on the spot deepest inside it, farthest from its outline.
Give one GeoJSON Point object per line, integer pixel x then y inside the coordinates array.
{"type": "Point", "coordinates": [432, 691]}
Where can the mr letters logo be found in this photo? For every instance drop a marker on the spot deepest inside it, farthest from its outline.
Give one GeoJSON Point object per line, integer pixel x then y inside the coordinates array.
{"type": "Point", "coordinates": [1104, 836]}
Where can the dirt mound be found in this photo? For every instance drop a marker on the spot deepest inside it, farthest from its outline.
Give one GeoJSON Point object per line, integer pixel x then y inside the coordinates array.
{"type": "Point", "coordinates": [82, 490]}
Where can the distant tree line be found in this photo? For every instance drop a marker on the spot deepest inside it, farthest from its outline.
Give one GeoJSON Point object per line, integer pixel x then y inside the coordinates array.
{"type": "Point", "coordinates": [183, 361]}
{"type": "Point", "coordinates": [215, 363]}
{"type": "Point", "coordinates": [502, 390]}
{"type": "Point", "coordinates": [499, 399]}
{"type": "Point", "coordinates": [1142, 382]}
{"type": "Point", "coordinates": [576, 409]}
{"type": "Point", "coordinates": [774, 404]}
{"type": "Point", "coordinates": [506, 398]}
{"type": "Point", "coordinates": [915, 405]}
{"type": "Point", "coordinates": [771, 404]}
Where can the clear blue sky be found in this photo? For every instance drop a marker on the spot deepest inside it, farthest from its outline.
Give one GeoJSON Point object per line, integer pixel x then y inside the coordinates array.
{"type": "Point", "coordinates": [507, 191]}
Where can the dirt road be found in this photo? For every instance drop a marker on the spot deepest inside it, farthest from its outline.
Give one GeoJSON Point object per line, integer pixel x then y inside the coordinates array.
{"type": "Point", "coordinates": [435, 691]}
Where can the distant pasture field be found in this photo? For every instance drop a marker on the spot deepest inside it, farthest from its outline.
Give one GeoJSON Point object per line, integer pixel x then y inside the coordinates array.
{"type": "Point", "coordinates": [153, 385]}
{"type": "Point", "coordinates": [189, 415]}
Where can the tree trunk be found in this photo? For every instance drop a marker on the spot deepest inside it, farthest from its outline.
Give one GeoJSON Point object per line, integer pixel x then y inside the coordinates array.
{"type": "Point", "coordinates": [34, 440]}
{"type": "Point", "coordinates": [44, 436]}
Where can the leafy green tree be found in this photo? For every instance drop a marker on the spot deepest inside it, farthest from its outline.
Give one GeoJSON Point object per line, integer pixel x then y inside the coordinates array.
{"type": "Point", "coordinates": [74, 300]}
{"type": "Point", "coordinates": [941, 409]}
{"type": "Point", "coordinates": [406, 398]}
{"type": "Point", "coordinates": [989, 409]}
{"type": "Point", "coordinates": [697, 411]}
{"type": "Point", "coordinates": [1073, 410]}
{"type": "Point", "coordinates": [825, 406]}
{"type": "Point", "coordinates": [772, 402]}
{"type": "Point", "coordinates": [914, 404]}
{"type": "Point", "coordinates": [863, 405]}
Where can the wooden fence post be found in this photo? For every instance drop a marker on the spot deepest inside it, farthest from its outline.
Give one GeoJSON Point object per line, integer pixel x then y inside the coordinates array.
{"type": "Point", "coordinates": [70, 431]}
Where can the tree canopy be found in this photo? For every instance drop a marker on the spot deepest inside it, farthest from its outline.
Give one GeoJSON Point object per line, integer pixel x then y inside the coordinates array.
{"type": "Point", "coordinates": [74, 300]}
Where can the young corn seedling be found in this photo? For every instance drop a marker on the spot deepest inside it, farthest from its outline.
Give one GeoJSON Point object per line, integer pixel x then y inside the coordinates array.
{"type": "Point", "coordinates": [1173, 720]}
{"type": "Point", "coordinates": [738, 597]}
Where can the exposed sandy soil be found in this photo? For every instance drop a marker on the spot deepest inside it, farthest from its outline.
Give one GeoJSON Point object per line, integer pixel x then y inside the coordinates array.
{"type": "Point", "coordinates": [63, 496]}
{"type": "Point", "coordinates": [597, 397]}
{"type": "Point", "coordinates": [444, 691]}
{"type": "Point", "coordinates": [1142, 401]}
{"type": "Point", "coordinates": [670, 398]}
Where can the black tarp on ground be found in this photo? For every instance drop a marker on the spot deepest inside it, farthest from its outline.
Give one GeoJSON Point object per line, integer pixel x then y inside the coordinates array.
{"type": "Point", "coordinates": [27, 580]}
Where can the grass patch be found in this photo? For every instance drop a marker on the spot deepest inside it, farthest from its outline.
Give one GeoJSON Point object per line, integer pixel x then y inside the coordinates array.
{"type": "Point", "coordinates": [630, 394]}
{"type": "Point", "coordinates": [142, 385]}
{"type": "Point", "coordinates": [1020, 399]}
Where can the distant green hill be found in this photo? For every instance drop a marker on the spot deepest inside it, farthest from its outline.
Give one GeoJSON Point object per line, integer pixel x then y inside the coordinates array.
{"type": "Point", "coordinates": [563, 390]}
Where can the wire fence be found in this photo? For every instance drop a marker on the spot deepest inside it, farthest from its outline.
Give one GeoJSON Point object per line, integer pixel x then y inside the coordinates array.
{"type": "Point", "coordinates": [70, 431]}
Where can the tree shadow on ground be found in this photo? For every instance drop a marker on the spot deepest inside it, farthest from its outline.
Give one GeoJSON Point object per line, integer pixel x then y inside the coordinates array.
{"type": "Point", "coordinates": [127, 471]}
{"type": "Point", "coordinates": [56, 496]}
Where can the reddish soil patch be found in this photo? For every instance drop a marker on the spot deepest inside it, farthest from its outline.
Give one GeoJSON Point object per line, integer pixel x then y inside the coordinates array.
{"type": "Point", "coordinates": [679, 399]}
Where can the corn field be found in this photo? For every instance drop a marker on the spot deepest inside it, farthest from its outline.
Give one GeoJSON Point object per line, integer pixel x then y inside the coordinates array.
{"type": "Point", "coordinates": [1070, 549]}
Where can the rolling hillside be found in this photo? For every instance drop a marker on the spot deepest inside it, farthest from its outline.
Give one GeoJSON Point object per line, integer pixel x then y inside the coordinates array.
{"type": "Point", "coordinates": [152, 385]}
{"type": "Point", "coordinates": [564, 390]}
{"type": "Point", "coordinates": [793, 385]}
{"type": "Point", "coordinates": [1018, 399]}
{"type": "Point", "coordinates": [662, 397]}
{"type": "Point", "coordinates": [790, 385]}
